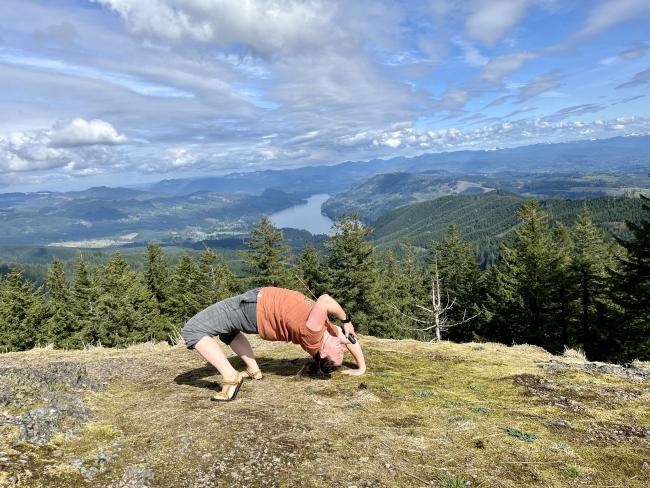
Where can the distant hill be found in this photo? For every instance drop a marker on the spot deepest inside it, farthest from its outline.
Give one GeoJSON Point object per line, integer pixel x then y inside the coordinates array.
{"type": "Point", "coordinates": [117, 215]}
{"type": "Point", "coordinates": [627, 154]}
{"type": "Point", "coordinates": [385, 192]}
{"type": "Point", "coordinates": [487, 220]}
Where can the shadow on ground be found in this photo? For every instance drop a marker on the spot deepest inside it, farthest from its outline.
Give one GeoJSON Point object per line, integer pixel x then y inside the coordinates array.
{"type": "Point", "coordinates": [270, 366]}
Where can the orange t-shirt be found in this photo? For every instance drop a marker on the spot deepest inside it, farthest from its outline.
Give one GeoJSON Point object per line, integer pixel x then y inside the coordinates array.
{"type": "Point", "coordinates": [282, 316]}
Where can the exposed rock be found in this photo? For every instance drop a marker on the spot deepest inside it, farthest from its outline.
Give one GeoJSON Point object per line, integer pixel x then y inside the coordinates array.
{"type": "Point", "coordinates": [134, 477]}
{"type": "Point", "coordinates": [54, 391]}
{"type": "Point", "coordinates": [633, 371]}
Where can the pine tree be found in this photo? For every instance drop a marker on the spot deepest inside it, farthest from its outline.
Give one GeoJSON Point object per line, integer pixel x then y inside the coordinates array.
{"type": "Point", "coordinates": [631, 285]}
{"type": "Point", "coordinates": [126, 310]}
{"type": "Point", "coordinates": [22, 314]}
{"type": "Point", "coordinates": [311, 272]}
{"type": "Point", "coordinates": [156, 274]}
{"type": "Point", "coordinates": [565, 296]}
{"type": "Point", "coordinates": [589, 270]}
{"type": "Point", "coordinates": [216, 278]}
{"type": "Point", "coordinates": [62, 324]}
{"type": "Point", "coordinates": [401, 288]}
{"type": "Point", "coordinates": [84, 302]}
{"type": "Point", "coordinates": [186, 291]}
{"type": "Point", "coordinates": [522, 284]}
{"type": "Point", "coordinates": [351, 263]}
{"type": "Point", "coordinates": [267, 260]}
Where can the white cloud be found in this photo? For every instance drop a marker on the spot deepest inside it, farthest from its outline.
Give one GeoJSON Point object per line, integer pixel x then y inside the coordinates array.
{"type": "Point", "coordinates": [611, 12]}
{"type": "Point", "coordinates": [81, 132]}
{"type": "Point", "coordinates": [490, 20]}
{"type": "Point", "coordinates": [635, 52]}
{"type": "Point", "coordinates": [471, 54]}
{"type": "Point", "coordinates": [502, 134]}
{"type": "Point", "coordinates": [641, 78]}
{"type": "Point", "coordinates": [453, 100]}
{"type": "Point", "coordinates": [541, 84]}
{"type": "Point", "coordinates": [182, 157]}
{"type": "Point", "coordinates": [499, 67]}
{"type": "Point", "coordinates": [267, 27]}
{"type": "Point", "coordinates": [75, 147]}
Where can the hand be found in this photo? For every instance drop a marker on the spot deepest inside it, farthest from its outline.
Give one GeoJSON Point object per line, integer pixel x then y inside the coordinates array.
{"type": "Point", "coordinates": [348, 328]}
{"type": "Point", "coordinates": [354, 372]}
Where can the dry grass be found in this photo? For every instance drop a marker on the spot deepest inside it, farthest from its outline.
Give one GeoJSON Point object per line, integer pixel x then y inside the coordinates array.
{"type": "Point", "coordinates": [424, 415]}
{"type": "Point", "coordinates": [577, 354]}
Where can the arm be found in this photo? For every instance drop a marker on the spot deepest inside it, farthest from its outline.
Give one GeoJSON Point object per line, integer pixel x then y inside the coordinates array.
{"type": "Point", "coordinates": [324, 306]}
{"type": "Point", "coordinates": [357, 353]}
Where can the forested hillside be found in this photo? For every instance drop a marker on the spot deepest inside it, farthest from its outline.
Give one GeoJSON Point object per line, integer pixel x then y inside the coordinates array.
{"type": "Point", "coordinates": [385, 192]}
{"type": "Point", "coordinates": [487, 220]}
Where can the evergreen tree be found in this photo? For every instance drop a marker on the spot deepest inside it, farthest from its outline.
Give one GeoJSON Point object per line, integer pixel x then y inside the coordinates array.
{"type": "Point", "coordinates": [631, 337]}
{"type": "Point", "coordinates": [351, 263]}
{"type": "Point", "coordinates": [589, 270]}
{"type": "Point", "coordinates": [22, 314]}
{"type": "Point", "coordinates": [186, 293]}
{"type": "Point", "coordinates": [62, 324]}
{"type": "Point", "coordinates": [216, 278]}
{"type": "Point", "coordinates": [267, 260]}
{"type": "Point", "coordinates": [156, 274]}
{"type": "Point", "coordinates": [126, 310]}
{"type": "Point", "coordinates": [401, 288]}
{"type": "Point", "coordinates": [84, 302]}
{"type": "Point", "coordinates": [312, 273]}
{"type": "Point", "coordinates": [565, 296]}
{"type": "Point", "coordinates": [458, 274]}
{"type": "Point", "coordinates": [522, 289]}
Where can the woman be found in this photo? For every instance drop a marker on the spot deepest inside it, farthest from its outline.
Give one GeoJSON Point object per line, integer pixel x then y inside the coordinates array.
{"type": "Point", "coordinates": [276, 314]}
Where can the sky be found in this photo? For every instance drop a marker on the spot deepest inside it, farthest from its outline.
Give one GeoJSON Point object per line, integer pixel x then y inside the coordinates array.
{"type": "Point", "coordinates": [123, 92]}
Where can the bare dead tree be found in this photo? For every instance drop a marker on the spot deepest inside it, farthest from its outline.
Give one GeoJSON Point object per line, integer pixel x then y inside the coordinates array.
{"type": "Point", "coordinates": [438, 320]}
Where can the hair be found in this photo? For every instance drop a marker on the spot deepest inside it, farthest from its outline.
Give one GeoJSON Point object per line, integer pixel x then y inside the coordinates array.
{"type": "Point", "coordinates": [322, 364]}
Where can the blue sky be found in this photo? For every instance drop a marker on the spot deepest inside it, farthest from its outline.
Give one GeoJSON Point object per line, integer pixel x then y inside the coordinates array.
{"type": "Point", "coordinates": [119, 92]}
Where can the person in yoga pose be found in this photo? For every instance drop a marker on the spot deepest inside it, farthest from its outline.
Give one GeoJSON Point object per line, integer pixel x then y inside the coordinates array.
{"type": "Point", "coordinates": [276, 314]}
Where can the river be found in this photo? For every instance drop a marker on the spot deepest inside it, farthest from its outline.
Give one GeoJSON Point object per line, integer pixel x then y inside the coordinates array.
{"type": "Point", "coordinates": [305, 216]}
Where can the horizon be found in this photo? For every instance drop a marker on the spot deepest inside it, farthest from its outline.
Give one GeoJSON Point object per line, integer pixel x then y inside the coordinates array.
{"type": "Point", "coordinates": [144, 186]}
{"type": "Point", "coordinates": [106, 91]}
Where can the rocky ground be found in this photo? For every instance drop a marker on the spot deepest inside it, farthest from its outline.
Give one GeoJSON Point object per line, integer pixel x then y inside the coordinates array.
{"type": "Point", "coordinates": [450, 415]}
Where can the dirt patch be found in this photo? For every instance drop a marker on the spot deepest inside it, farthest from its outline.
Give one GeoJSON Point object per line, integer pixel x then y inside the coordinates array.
{"type": "Point", "coordinates": [613, 433]}
{"type": "Point", "coordinates": [549, 391]}
{"type": "Point", "coordinates": [407, 421]}
{"type": "Point", "coordinates": [450, 359]}
{"type": "Point", "coordinates": [633, 371]}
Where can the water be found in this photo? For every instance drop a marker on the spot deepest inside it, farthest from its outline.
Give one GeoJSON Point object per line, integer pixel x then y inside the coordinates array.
{"type": "Point", "coordinates": [306, 216]}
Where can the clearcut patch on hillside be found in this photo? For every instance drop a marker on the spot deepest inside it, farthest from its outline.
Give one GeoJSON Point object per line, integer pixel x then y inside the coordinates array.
{"type": "Point", "coordinates": [444, 414]}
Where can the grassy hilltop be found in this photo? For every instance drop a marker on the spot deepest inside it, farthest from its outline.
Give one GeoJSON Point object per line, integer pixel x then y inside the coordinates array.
{"type": "Point", "coordinates": [446, 414]}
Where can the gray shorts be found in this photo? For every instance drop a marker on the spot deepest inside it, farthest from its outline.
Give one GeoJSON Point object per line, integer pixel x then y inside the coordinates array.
{"type": "Point", "coordinates": [225, 319]}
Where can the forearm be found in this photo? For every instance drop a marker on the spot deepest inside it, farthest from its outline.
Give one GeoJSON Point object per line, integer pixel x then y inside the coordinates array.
{"type": "Point", "coordinates": [357, 353]}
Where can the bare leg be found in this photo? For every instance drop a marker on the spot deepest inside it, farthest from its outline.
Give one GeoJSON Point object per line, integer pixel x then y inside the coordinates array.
{"type": "Point", "coordinates": [212, 352]}
{"type": "Point", "coordinates": [243, 349]}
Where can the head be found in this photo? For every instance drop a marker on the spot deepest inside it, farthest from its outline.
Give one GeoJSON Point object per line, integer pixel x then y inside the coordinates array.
{"type": "Point", "coordinates": [330, 356]}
